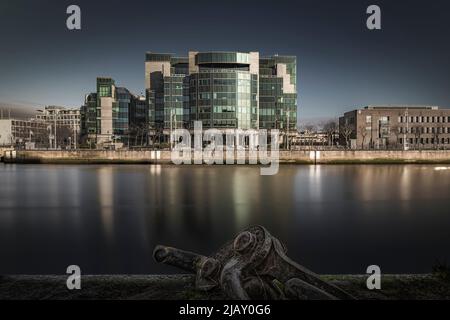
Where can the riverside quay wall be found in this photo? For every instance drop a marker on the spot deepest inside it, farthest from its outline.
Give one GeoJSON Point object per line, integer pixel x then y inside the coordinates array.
{"type": "Point", "coordinates": [164, 157]}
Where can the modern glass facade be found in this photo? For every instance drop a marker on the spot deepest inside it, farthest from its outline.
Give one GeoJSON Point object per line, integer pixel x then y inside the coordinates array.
{"type": "Point", "coordinates": [221, 89]}
{"type": "Point", "coordinates": [121, 110]}
{"type": "Point", "coordinates": [176, 106]}
{"type": "Point", "coordinates": [167, 93]}
{"type": "Point", "coordinates": [224, 90]}
{"type": "Point", "coordinates": [112, 113]}
{"type": "Point", "coordinates": [278, 93]}
{"type": "Point", "coordinates": [89, 115]}
{"type": "Point", "coordinates": [223, 98]}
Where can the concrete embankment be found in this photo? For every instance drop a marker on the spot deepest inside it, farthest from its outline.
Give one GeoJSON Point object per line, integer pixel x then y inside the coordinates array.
{"type": "Point", "coordinates": [85, 156]}
{"type": "Point", "coordinates": [164, 157]}
{"type": "Point", "coordinates": [367, 156]}
{"type": "Point", "coordinates": [3, 151]}
{"type": "Point", "coordinates": [181, 287]}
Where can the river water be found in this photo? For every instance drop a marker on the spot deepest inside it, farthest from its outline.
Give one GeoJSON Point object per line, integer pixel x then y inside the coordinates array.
{"type": "Point", "coordinates": [333, 219]}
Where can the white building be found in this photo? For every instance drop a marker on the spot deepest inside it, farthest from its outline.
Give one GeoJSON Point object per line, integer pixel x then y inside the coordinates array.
{"type": "Point", "coordinates": [19, 132]}
{"type": "Point", "coordinates": [65, 122]}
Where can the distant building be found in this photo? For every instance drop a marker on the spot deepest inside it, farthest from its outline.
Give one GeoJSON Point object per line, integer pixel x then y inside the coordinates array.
{"type": "Point", "coordinates": [396, 127]}
{"type": "Point", "coordinates": [310, 138]}
{"type": "Point", "coordinates": [19, 133]}
{"type": "Point", "coordinates": [113, 114]}
{"type": "Point", "coordinates": [222, 90]}
{"type": "Point", "coordinates": [65, 122]}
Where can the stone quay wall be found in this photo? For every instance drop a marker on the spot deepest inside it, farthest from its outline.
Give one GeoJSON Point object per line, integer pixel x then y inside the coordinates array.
{"type": "Point", "coordinates": [164, 157]}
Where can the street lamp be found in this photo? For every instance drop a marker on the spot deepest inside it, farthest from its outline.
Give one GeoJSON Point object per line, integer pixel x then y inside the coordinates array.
{"type": "Point", "coordinates": [288, 146]}
{"type": "Point", "coordinates": [172, 126]}
{"type": "Point", "coordinates": [56, 112]}
{"type": "Point", "coordinates": [405, 145]}
{"type": "Point", "coordinates": [75, 131]}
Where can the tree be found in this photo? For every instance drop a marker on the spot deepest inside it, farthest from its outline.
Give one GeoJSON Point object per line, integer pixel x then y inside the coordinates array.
{"type": "Point", "coordinates": [346, 130]}
{"type": "Point", "coordinates": [436, 137]}
{"type": "Point", "coordinates": [330, 128]}
{"type": "Point", "coordinates": [395, 130]}
{"type": "Point", "coordinates": [363, 132]}
{"type": "Point", "coordinates": [439, 131]}
{"type": "Point", "coordinates": [309, 129]}
{"type": "Point", "coordinates": [143, 131]}
{"type": "Point", "coordinates": [63, 135]}
{"type": "Point", "coordinates": [417, 135]}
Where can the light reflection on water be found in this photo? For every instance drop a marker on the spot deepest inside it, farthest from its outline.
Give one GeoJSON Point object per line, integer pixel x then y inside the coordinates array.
{"type": "Point", "coordinates": [334, 219]}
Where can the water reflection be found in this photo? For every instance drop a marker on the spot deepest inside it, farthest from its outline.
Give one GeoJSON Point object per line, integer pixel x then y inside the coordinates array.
{"type": "Point", "coordinates": [242, 185]}
{"type": "Point", "coordinates": [334, 219]}
{"type": "Point", "coordinates": [106, 199]}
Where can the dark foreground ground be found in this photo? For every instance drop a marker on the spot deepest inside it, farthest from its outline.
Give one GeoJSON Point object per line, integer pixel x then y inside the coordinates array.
{"type": "Point", "coordinates": [159, 287]}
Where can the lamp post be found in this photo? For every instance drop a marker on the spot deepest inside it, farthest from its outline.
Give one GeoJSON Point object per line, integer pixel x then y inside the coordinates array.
{"type": "Point", "coordinates": [170, 137]}
{"type": "Point", "coordinates": [288, 146]}
{"type": "Point", "coordinates": [173, 126]}
{"type": "Point", "coordinates": [75, 132]}
{"type": "Point", "coordinates": [276, 122]}
{"type": "Point", "coordinates": [54, 134]}
{"type": "Point", "coordinates": [405, 145]}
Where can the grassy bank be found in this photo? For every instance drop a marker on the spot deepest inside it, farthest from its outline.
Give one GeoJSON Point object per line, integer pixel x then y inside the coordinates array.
{"type": "Point", "coordinates": [160, 287]}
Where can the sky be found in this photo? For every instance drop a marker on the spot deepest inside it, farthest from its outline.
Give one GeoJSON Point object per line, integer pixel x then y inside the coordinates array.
{"type": "Point", "coordinates": [341, 65]}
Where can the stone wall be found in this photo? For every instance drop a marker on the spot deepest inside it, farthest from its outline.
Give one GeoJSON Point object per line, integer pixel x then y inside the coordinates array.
{"type": "Point", "coordinates": [84, 156]}
{"type": "Point", "coordinates": [426, 156]}
{"type": "Point", "coordinates": [300, 157]}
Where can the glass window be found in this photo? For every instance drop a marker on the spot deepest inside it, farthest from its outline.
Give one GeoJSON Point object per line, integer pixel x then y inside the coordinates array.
{"type": "Point", "coordinates": [105, 91]}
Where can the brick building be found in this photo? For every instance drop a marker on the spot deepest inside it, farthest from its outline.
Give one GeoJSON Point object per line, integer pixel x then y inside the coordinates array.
{"type": "Point", "coordinates": [391, 127]}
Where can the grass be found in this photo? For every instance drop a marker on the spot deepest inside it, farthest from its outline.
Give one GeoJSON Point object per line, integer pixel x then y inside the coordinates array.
{"type": "Point", "coordinates": [441, 270]}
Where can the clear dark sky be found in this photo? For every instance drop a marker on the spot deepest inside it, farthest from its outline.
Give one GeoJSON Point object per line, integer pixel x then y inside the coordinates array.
{"type": "Point", "coordinates": [341, 64]}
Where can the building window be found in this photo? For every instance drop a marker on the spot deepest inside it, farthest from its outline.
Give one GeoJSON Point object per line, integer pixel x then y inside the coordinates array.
{"type": "Point", "coordinates": [104, 91]}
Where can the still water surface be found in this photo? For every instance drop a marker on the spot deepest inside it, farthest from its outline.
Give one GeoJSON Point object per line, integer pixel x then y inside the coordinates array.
{"type": "Point", "coordinates": [333, 219]}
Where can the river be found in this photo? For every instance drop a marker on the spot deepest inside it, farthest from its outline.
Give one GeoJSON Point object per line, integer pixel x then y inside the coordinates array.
{"type": "Point", "coordinates": [333, 219]}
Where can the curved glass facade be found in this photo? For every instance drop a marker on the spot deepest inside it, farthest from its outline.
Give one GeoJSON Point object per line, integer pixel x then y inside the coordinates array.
{"type": "Point", "coordinates": [222, 57]}
{"type": "Point", "coordinates": [224, 99]}
{"type": "Point", "coordinates": [221, 89]}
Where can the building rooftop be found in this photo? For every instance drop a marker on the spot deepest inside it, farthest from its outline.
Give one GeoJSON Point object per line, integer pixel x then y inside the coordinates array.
{"type": "Point", "coordinates": [402, 107]}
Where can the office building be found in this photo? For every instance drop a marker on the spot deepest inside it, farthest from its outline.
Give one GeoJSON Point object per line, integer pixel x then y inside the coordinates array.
{"type": "Point", "coordinates": [62, 123]}
{"type": "Point", "coordinates": [225, 90]}
{"type": "Point", "coordinates": [113, 115]}
{"type": "Point", "coordinates": [403, 127]}
{"type": "Point", "coordinates": [22, 133]}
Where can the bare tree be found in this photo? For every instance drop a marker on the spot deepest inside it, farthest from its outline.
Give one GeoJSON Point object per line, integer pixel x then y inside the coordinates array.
{"type": "Point", "coordinates": [63, 135]}
{"type": "Point", "coordinates": [346, 130]}
{"type": "Point", "coordinates": [363, 132]}
{"type": "Point", "coordinates": [436, 137]}
{"type": "Point", "coordinates": [143, 131]}
{"type": "Point", "coordinates": [309, 129]}
{"type": "Point", "coordinates": [439, 131]}
{"type": "Point", "coordinates": [417, 135]}
{"type": "Point", "coordinates": [330, 127]}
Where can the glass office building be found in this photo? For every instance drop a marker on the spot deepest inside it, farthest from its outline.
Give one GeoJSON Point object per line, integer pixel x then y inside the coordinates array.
{"type": "Point", "coordinates": [278, 93]}
{"type": "Point", "coordinates": [224, 90]}
{"type": "Point", "coordinates": [221, 89]}
{"type": "Point", "coordinates": [167, 93]}
{"type": "Point", "coordinates": [113, 114]}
